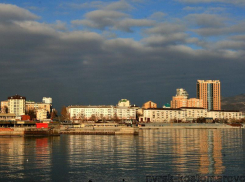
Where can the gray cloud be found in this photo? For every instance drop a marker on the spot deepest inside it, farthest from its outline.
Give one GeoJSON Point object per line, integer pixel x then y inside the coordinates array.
{"type": "Point", "coordinates": [206, 20]}
{"type": "Point", "coordinates": [157, 16]}
{"type": "Point", "coordinates": [166, 28]}
{"type": "Point", "coordinates": [83, 67]}
{"type": "Point", "coordinates": [236, 2]}
{"type": "Point", "coordinates": [10, 12]}
{"type": "Point", "coordinates": [100, 19]}
{"type": "Point", "coordinates": [219, 31]}
{"type": "Point", "coordinates": [127, 23]}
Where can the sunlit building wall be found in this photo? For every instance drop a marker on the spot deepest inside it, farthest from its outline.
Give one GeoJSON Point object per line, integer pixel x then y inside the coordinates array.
{"type": "Point", "coordinates": [209, 92]}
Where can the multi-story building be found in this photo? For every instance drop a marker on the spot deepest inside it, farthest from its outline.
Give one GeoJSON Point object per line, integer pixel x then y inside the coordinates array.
{"type": "Point", "coordinates": [41, 114]}
{"type": "Point", "coordinates": [193, 102]}
{"type": "Point", "coordinates": [4, 106]}
{"type": "Point", "coordinates": [225, 114]}
{"type": "Point", "coordinates": [149, 104]}
{"type": "Point", "coordinates": [209, 92]}
{"type": "Point", "coordinates": [101, 112]}
{"type": "Point", "coordinates": [16, 105]}
{"type": "Point", "coordinates": [186, 114]}
{"type": "Point", "coordinates": [162, 115]}
{"type": "Point", "coordinates": [178, 102]}
{"type": "Point", "coordinates": [31, 105]}
{"type": "Point", "coordinates": [181, 100]}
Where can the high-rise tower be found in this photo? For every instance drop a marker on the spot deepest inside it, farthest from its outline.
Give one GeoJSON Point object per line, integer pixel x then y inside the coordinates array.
{"type": "Point", "coordinates": [209, 92]}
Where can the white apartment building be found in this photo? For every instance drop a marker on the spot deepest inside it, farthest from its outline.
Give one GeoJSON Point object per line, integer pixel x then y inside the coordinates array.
{"type": "Point", "coordinates": [162, 115]}
{"type": "Point", "coordinates": [186, 114]}
{"type": "Point", "coordinates": [41, 114]}
{"type": "Point", "coordinates": [101, 112]}
{"type": "Point", "coordinates": [225, 114]}
{"type": "Point", "coordinates": [16, 105]}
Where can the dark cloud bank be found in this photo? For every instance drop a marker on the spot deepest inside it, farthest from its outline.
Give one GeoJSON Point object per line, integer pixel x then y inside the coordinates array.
{"type": "Point", "coordinates": [83, 67]}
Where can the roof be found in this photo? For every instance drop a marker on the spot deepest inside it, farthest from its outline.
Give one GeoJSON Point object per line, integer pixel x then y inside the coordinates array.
{"type": "Point", "coordinates": [123, 100]}
{"type": "Point", "coordinates": [167, 105]}
{"type": "Point", "coordinates": [163, 109]}
{"type": "Point", "coordinates": [225, 110]}
{"type": "Point", "coordinates": [98, 106]}
{"type": "Point", "coordinates": [192, 108]}
{"type": "Point", "coordinates": [16, 97]}
{"type": "Point", "coordinates": [7, 114]}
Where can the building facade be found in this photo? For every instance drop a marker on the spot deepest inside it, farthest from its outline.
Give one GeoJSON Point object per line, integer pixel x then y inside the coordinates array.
{"type": "Point", "coordinates": [41, 114]}
{"type": "Point", "coordinates": [16, 105]}
{"type": "Point", "coordinates": [4, 106]}
{"type": "Point", "coordinates": [209, 91]}
{"type": "Point", "coordinates": [31, 105]}
{"type": "Point", "coordinates": [186, 114]}
{"type": "Point", "coordinates": [101, 112]}
{"type": "Point", "coordinates": [149, 104]}
{"type": "Point", "coordinates": [181, 100]}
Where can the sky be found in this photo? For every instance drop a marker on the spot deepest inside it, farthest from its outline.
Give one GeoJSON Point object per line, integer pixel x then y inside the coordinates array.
{"type": "Point", "coordinates": [98, 52]}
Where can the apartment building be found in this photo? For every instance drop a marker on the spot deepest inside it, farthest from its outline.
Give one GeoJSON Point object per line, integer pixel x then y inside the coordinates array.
{"type": "Point", "coordinates": [101, 112]}
{"type": "Point", "coordinates": [209, 91]}
{"type": "Point", "coordinates": [181, 100]}
{"type": "Point", "coordinates": [16, 105]}
{"type": "Point", "coordinates": [186, 114]}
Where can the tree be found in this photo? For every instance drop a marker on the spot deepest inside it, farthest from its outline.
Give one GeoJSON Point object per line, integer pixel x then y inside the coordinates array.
{"type": "Point", "coordinates": [93, 118]}
{"type": "Point", "coordinates": [115, 118]}
{"type": "Point", "coordinates": [64, 114]}
{"type": "Point", "coordinates": [53, 114]}
{"type": "Point", "coordinates": [31, 113]}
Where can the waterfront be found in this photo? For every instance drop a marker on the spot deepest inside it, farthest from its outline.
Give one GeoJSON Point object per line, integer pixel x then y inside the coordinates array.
{"type": "Point", "coordinates": [114, 158]}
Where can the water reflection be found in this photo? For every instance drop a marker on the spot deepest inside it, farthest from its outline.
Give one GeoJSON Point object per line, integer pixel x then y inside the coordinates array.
{"type": "Point", "coordinates": [105, 158]}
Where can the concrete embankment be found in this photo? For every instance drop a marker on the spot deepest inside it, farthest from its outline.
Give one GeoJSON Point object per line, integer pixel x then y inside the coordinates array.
{"type": "Point", "coordinates": [28, 131]}
{"type": "Point", "coordinates": [102, 131]}
{"type": "Point", "coordinates": [188, 126]}
{"type": "Point", "coordinates": [12, 131]}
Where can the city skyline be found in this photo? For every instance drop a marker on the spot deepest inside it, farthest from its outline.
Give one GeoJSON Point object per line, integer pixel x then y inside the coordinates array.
{"type": "Point", "coordinates": [97, 52]}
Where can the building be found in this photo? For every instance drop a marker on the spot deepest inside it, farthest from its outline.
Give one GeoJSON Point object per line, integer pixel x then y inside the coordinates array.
{"type": "Point", "coordinates": [181, 92]}
{"type": "Point", "coordinates": [47, 100]}
{"type": "Point", "coordinates": [225, 114]}
{"type": "Point", "coordinates": [41, 114]}
{"type": "Point", "coordinates": [149, 104]}
{"type": "Point", "coordinates": [167, 105]}
{"type": "Point", "coordinates": [123, 103]}
{"type": "Point", "coordinates": [4, 106]}
{"type": "Point", "coordinates": [16, 105]}
{"type": "Point", "coordinates": [31, 105]}
{"type": "Point", "coordinates": [186, 114]}
{"type": "Point", "coordinates": [209, 91]}
{"type": "Point", "coordinates": [181, 100]}
{"type": "Point", "coordinates": [162, 115]}
{"type": "Point", "coordinates": [178, 102]}
{"type": "Point", "coordinates": [7, 117]}
{"type": "Point", "coordinates": [193, 102]}
{"type": "Point", "coordinates": [101, 112]}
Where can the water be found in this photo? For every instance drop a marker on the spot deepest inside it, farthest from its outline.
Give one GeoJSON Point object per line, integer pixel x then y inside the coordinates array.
{"type": "Point", "coordinates": [154, 152]}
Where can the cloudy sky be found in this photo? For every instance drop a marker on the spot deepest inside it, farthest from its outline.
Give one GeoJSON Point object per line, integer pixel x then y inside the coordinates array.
{"type": "Point", "coordinates": [97, 52]}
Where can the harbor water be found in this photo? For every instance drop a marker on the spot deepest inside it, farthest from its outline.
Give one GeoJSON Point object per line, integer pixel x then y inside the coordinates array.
{"type": "Point", "coordinates": [152, 153]}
